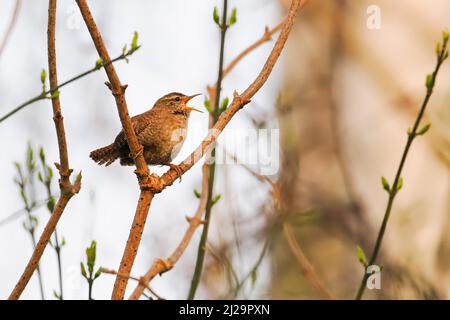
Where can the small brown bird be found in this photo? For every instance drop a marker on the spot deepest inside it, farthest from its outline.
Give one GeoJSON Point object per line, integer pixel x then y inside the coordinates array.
{"type": "Point", "coordinates": [161, 131]}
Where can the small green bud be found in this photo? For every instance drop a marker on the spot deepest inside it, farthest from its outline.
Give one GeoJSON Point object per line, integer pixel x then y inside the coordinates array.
{"type": "Point", "coordinates": [40, 178]}
{"type": "Point", "coordinates": [208, 106]}
{"type": "Point", "coordinates": [55, 95]}
{"type": "Point", "coordinates": [385, 184]}
{"type": "Point", "coordinates": [124, 49]}
{"type": "Point", "coordinates": [98, 273]}
{"type": "Point", "coordinates": [42, 154]}
{"type": "Point", "coordinates": [361, 256]}
{"type": "Point", "coordinates": [43, 76]}
{"type": "Point", "coordinates": [224, 105]}
{"type": "Point", "coordinates": [233, 17]}
{"type": "Point", "coordinates": [83, 270]}
{"type": "Point", "coordinates": [51, 204]}
{"type": "Point", "coordinates": [216, 16]}
{"type": "Point", "coordinates": [429, 83]}
{"type": "Point", "coordinates": [400, 184]}
{"type": "Point", "coordinates": [424, 129]}
{"type": "Point", "coordinates": [99, 63]}
{"type": "Point", "coordinates": [216, 199]}
{"type": "Point", "coordinates": [197, 193]}
{"type": "Point", "coordinates": [134, 45]}
{"type": "Point", "coordinates": [445, 36]}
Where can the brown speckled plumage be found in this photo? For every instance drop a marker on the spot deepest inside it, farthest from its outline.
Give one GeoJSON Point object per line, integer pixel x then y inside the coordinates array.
{"type": "Point", "coordinates": [161, 131]}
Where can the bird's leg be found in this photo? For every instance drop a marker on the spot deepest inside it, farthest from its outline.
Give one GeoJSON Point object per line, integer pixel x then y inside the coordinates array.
{"type": "Point", "coordinates": [177, 169]}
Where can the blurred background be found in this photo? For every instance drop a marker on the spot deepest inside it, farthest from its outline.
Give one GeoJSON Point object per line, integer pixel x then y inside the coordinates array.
{"type": "Point", "coordinates": [342, 96]}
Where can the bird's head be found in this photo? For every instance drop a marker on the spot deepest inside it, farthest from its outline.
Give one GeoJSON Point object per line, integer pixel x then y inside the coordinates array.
{"type": "Point", "coordinates": [176, 103]}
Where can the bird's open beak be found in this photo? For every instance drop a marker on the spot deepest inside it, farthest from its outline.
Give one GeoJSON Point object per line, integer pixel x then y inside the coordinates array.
{"type": "Point", "coordinates": [187, 100]}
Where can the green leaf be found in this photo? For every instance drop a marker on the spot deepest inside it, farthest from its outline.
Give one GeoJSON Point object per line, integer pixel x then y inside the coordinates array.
{"type": "Point", "coordinates": [83, 270]}
{"type": "Point", "coordinates": [40, 177]}
{"type": "Point", "coordinates": [43, 76]}
{"type": "Point", "coordinates": [63, 242]}
{"type": "Point", "coordinates": [124, 49]}
{"type": "Point", "coordinates": [91, 255]}
{"type": "Point", "coordinates": [224, 105]}
{"type": "Point", "coordinates": [197, 193]}
{"type": "Point", "coordinates": [216, 199]}
{"type": "Point", "coordinates": [51, 204]}
{"type": "Point", "coordinates": [42, 154]}
{"type": "Point", "coordinates": [400, 183]}
{"type": "Point", "coordinates": [216, 16]}
{"type": "Point", "coordinates": [134, 45]}
{"type": "Point", "coordinates": [429, 83]}
{"type": "Point", "coordinates": [424, 129]}
{"type": "Point", "coordinates": [49, 174]}
{"type": "Point", "coordinates": [445, 36]}
{"type": "Point", "coordinates": [361, 256]}
{"type": "Point", "coordinates": [98, 273]}
{"type": "Point", "coordinates": [208, 106]}
{"type": "Point", "coordinates": [385, 184]}
{"type": "Point", "coordinates": [233, 17]}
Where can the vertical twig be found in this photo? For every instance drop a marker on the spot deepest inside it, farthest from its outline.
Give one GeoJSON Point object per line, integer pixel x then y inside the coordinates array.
{"type": "Point", "coordinates": [146, 182]}
{"type": "Point", "coordinates": [212, 167]}
{"type": "Point", "coordinates": [68, 190]}
{"type": "Point", "coordinates": [442, 55]}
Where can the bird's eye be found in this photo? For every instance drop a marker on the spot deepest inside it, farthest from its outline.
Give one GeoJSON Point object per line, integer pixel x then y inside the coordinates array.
{"type": "Point", "coordinates": [177, 99]}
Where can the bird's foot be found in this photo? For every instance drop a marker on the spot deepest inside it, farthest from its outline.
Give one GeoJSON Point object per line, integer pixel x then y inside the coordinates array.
{"type": "Point", "coordinates": [177, 170]}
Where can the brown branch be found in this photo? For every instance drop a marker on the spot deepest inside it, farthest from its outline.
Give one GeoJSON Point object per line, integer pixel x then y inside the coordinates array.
{"type": "Point", "coordinates": [305, 266]}
{"type": "Point", "coordinates": [139, 280]}
{"type": "Point", "coordinates": [11, 25]}
{"type": "Point", "coordinates": [304, 263]}
{"type": "Point", "coordinates": [142, 172]}
{"type": "Point", "coordinates": [68, 190]}
{"type": "Point", "coordinates": [160, 265]}
{"type": "Point", "coordinates": [267, 36]}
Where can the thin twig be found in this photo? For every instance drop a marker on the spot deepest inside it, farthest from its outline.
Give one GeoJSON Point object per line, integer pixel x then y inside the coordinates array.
{"type": "Point", "coordinates": [142, 172]}
{"type": "Point", "coordinates": [140, 281]}
{"type": "Point", "coordinates": [44, 95]}
{"type": "Point", "coordinates": [11, 25]}
{"type": "Point", "coordinates": [304, 263]}
{"type": "Point", "coordinates": [305, 266]}
{"type": "Point", "coordinates": [442, 55]}
{"type": "Point", "coordinates": [267, 36]}
{"type": "Point", "coordinates": [162, 265]}
{"type": "Point", "coordinates": [68, 190]}
{"type": "Point", "coordinates": [212, 167]}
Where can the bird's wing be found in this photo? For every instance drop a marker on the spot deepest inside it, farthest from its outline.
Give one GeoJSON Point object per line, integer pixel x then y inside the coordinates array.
{"type": "Point", "coordinates": [138, 126]}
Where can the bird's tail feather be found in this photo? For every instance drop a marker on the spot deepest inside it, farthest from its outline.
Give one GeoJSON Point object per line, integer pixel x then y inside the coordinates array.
{"type": "Point", "coordinates": [105, 155]}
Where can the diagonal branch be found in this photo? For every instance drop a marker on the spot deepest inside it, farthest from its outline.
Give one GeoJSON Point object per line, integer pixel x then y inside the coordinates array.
{"type": "Point", "coordinates": [68, 190]}
{"type": "Point", "coordinates": [142, 172]}
{"type": "Point", "coordinates": [11, 26]}
{"type": "Point", "coordinates": [239, 101]}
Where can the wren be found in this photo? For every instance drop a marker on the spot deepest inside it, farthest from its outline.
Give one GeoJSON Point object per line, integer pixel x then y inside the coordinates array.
{"type": "Point", "coordinates": [161, 131]}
